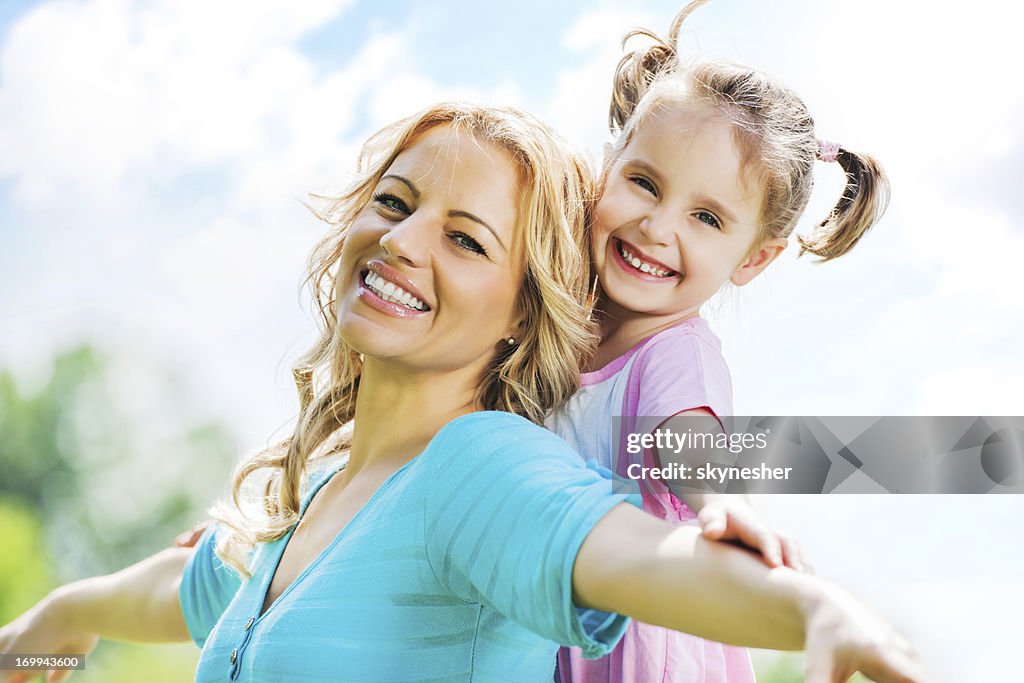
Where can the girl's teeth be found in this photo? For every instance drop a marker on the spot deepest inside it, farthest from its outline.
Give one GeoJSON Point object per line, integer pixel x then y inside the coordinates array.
{"type": "Point", "coordinates": [640, 265]}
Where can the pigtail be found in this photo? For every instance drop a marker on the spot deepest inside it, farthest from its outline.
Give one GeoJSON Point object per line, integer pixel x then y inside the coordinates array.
{"type": "Point", "coordinates": [638, 69]}
{"type": "Point", "coordinates": [864, 200]}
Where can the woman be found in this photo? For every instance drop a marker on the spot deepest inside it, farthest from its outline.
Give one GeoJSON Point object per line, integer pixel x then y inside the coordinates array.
{"type": "Point", "coordinates": [458, 540]}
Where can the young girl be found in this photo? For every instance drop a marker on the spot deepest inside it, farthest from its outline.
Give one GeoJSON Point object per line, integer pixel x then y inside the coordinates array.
{"type": "Point", "coordinates": [709, 172]}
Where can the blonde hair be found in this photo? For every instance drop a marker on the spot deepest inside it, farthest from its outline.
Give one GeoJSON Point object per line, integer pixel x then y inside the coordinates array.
{"type": "Point", "coordinates": [531, 378]}
{"type": "Point", "coordinates": [774, 134]}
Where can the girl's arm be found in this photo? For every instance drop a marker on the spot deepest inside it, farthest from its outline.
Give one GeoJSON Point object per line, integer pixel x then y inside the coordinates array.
{"type": "Point", "coordinates": [139, 603]}
{"type": "Point", "coordinates": [724, 516]}
{"type": "Point", "coordinates": [656, 572]}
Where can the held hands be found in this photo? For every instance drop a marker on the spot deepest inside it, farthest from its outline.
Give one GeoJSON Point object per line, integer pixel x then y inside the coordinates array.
{"type": "Point", "coordinates": [725, 517]}
{"type": "Point", "coordinates": [43, 629]}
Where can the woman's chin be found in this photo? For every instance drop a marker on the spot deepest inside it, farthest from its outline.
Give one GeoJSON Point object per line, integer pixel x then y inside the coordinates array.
{"type": "Point", "coordinates": [375, 338]}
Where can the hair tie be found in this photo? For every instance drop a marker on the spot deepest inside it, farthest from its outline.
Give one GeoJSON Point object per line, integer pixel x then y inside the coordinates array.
{"type": "Point", "coordinates": [828, 151]}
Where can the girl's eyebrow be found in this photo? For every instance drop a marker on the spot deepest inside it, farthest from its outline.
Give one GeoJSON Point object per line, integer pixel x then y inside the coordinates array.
{"type": "Point", "coordinates": [708, 200]}
{"type": "Point", "coordinates": [644, 166]}
{"type": "Point", "coordinates": [717, 207]}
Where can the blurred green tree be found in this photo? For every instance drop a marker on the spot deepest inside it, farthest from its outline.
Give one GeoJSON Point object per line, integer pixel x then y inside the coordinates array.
{"type": "Point", "coordinates": [100, 466]}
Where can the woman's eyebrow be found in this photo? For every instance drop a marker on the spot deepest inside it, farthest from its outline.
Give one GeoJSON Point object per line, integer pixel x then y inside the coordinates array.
{"type": "Point", "coordinates": [476, 219]}
{"type": "Point", "coordinates": [452, 214]}
{"type": "Point", "coordinates": [406, 182]}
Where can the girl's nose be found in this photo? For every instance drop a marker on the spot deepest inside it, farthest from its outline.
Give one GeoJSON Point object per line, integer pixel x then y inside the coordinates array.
{"type": "Point", "coordinates": [656, 229]}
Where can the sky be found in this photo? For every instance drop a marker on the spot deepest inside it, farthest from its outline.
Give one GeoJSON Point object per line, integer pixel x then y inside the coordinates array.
{"type": "Point", "coordinates": [153, 156]}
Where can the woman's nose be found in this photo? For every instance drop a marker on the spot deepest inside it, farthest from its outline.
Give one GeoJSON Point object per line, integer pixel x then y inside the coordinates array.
{"type": "Point", "coordinates": [408, 241]}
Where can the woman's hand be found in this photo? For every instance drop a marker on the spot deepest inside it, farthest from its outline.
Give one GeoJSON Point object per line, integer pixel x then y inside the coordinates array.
{"type": "Point", "coordinates": [844, 636]}
{"type": "Point", "coordinates": [726, 517]}
{"type": "Point", "coordinates": [139, 603]}
{"type": "Point", "coordinates": [44, 630]}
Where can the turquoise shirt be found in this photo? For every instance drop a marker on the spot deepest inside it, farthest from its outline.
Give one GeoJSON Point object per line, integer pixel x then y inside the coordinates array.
{"type": "Point", "coordinates": [459, 568]}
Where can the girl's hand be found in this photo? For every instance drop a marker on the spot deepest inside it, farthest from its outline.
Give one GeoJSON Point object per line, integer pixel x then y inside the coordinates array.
{"type": "Point", "coordinates": [188, 539]}
{"type": "Point", "coordinates": [844, 636]}
{"type": "Point", "coordinates": [730, 518]}
{"type": "Point", "coordinates": [43, 630]}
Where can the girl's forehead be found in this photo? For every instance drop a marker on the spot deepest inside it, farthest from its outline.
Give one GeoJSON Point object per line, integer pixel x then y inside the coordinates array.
{"type": "Point", "coordinates": [694, 148]}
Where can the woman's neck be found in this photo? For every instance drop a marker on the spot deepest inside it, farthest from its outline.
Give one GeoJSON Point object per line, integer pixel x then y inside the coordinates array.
{"type": "Point", "coordinates": [622, 329]}
{"type": "Point", "coordinates": [398, 412]}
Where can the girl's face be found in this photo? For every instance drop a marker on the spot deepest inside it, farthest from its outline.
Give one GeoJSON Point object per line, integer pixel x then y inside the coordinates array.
{"type": "Point", "coordinates": [431, 267]}
{"type": "Point", "coordinates": [677, 216]}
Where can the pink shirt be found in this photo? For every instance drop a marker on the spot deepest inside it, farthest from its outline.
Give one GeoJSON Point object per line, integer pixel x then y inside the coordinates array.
{"type": "Point", "coordinates": [678, 369]}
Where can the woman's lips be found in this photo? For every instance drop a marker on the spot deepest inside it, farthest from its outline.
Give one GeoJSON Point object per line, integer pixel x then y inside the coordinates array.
{"type": "Point", "coordinates": [388, 291]}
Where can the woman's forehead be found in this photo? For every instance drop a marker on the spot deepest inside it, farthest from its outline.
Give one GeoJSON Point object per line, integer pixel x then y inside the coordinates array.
{"type": "Point", "coordinates": [464, 171]}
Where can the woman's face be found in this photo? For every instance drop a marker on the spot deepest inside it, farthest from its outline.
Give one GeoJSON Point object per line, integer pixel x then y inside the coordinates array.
{"type": "Point", "coordinates": [432, 266]}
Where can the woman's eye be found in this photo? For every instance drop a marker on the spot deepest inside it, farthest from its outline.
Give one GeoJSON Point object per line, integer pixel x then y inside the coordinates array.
{"type": "Point", "coordinates": [709, 218]}
{"type": "Point", "coordinates": [464, 241]}
{"type": "Point", "coordinates": [390, 202]}
{"type": "Point", "coordinates": [645, 183]}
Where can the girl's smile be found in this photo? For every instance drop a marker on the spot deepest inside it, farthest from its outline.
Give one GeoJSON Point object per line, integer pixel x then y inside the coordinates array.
{"type": "Point", "coordinates": [677, 219]}
{"type": "Point", "coordinates": [639, 265]}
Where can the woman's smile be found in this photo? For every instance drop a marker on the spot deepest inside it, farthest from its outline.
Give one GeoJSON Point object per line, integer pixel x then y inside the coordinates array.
{"type": "Point", "coordinates": [432, 266]}
{"type": "Point", "coordinates": [388, 291]}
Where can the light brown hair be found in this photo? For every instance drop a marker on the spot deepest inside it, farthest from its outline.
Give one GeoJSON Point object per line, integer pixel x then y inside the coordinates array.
{"type": "Point", "coordinates": [774, 134]}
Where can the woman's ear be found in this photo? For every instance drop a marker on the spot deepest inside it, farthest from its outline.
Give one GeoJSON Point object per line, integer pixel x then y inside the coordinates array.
{"type": "Point", "coordinates": [758, 260]}
{"type": "Point", "coordinates": [515, 330]}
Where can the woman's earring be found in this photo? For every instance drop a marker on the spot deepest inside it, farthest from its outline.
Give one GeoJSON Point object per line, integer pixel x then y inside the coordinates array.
{"type": "Point", "coordinates": [511, 341]}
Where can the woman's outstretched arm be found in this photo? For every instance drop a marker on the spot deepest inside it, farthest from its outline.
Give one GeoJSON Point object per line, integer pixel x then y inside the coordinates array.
{"type": "Point", "coordinates": [635, 564]}
{"type": "Point", "coordinates": [139, 603]}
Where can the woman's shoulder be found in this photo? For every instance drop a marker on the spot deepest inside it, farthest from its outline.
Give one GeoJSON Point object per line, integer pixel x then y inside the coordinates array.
{"type": "Point", "coordinates": [491, 426]}
{"type": "Point", "coordinates": [493, 434]}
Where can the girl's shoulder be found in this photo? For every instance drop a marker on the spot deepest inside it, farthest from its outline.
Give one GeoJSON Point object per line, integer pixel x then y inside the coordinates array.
{"type": "Point", "coordinates": [679, 369]}
{"type": "Point", "coordinates": [686, 332]}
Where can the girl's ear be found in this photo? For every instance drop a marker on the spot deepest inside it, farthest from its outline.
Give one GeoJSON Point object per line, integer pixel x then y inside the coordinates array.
{"type": "Point", "coordinates": [758, 260]}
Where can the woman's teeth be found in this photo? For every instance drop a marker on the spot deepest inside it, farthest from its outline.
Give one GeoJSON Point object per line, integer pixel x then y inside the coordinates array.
{"type": "Point", "coordinates": [641, 265]}
{"type": "Point", "coordinates": [389, 291]}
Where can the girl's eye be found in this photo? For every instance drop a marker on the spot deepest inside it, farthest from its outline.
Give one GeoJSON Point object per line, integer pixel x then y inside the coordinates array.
{"type": "Point", "coordinates": [645, 183]}
{"type": "Point", "coordinates": [464, 241]}
{"type": "Point", "coordinates": [709, 218]}
{"type": "Point", "coordinates": [390, 202]}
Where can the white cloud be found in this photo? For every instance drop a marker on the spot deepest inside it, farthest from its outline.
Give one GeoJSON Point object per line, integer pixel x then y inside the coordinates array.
{"type": "Point", "coordinates": [94, 91]}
